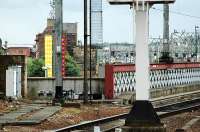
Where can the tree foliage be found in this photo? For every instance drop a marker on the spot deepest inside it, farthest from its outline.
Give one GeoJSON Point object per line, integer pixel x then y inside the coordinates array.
{"type": "Point", "coordinates": [72, 69]}
{"type": "Point", "coordinates": [35, 67]}
{"type": "Point", "coordinates": [1, 51]}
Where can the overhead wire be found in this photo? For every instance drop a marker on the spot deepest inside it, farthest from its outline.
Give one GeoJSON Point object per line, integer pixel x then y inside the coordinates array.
{"type": "Point", "coordinates": [178, 13]}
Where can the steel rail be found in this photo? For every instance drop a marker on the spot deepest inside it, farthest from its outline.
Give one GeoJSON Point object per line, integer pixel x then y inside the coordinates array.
{"type": "Point", "coordinates": [168, 111]}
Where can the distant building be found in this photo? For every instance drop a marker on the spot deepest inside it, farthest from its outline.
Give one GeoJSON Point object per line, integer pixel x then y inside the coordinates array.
{"type": "Point", "coordinates": [3, 48]}
{"type": "Point", "coordinates": [96, 23]}
{"type": "Point", "coordinates": [116, 53]}
{"type": "Point", "coordinates": [78, 53]}
{"type": "Point", "coordinates": [20, 50]}
{"type": "Point", "coordinates": [70, 29]}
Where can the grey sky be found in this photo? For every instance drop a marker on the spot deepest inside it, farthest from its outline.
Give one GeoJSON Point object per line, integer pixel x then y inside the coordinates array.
{"type": "Point", "coordinates": [21, 20]}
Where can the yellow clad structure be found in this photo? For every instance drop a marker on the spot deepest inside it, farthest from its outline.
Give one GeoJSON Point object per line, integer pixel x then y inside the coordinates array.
{"type": "Point", "coordinates": [48, 54]}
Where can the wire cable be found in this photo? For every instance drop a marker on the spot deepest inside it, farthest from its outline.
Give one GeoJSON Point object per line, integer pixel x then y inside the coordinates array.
{"type": "Point", "coordinates": [178, 13]}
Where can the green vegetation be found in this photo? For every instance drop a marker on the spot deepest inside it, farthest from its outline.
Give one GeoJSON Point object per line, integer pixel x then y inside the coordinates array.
{"type": "Point", "coordinates": [2, 51]}
{"type": "Point", "coordinates": [35, 67]}
{"type": "Point", "coordinates": [72, 69]}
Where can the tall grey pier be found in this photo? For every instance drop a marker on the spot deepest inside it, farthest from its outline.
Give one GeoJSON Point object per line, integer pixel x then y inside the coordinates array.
{"type": "Point", "coordinates": [142, 117]}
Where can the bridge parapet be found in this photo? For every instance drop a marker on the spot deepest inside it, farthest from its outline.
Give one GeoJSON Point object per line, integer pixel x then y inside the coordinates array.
{"type": "Point", "coordinates": [121, 78]}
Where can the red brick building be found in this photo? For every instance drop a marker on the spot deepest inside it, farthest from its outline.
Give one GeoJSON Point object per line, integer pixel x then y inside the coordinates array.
{"type": "Point", "coordinates": [70, 29]}
{"type": "Point", "coordinates": [19, 51]}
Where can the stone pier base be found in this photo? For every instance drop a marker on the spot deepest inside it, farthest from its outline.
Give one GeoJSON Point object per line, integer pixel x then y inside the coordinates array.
{"type": "Point", "coordinates": [143, 118]}
{"type": "Point", "coordinates": [144, 129]}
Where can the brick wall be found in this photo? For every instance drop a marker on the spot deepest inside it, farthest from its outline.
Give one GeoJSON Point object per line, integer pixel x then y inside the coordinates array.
{"type": "Point", "coordinates": [19, 51]}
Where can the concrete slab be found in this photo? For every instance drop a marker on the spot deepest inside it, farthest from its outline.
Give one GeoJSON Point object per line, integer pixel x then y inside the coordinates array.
{"type": "Point", "coordinates": [39, 116]}
{"type": "Point", "coordinates": [12, 116]}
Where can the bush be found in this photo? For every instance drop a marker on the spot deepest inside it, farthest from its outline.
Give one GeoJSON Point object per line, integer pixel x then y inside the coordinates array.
{"type": "Point", "coordinates": [35, 67]}
{"type": "Point", "coordinates": [72, 69]}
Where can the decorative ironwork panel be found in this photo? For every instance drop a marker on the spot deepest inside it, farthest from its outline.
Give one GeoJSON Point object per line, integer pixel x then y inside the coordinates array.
{"type": "Point", "coordinates": [163, 78]}
{"type": "Point", "coordinates": [121, 78]}
{"type": "Point", "coordinates": [124, 82]}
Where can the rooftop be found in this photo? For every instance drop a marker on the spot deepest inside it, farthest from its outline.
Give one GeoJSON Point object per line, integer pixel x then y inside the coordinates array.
{"type": "Point", "coordinates": [20, 46]}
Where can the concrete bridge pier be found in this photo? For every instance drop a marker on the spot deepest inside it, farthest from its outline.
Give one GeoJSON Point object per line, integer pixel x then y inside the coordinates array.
{"type": "Point", "coordinates": [143, 118]}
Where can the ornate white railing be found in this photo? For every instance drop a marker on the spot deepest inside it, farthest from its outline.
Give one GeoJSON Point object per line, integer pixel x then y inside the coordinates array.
{"type": "Point", "coordinates": [121, 78]}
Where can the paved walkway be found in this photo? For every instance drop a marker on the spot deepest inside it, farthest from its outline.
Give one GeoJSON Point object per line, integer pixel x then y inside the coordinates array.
{"type": "Point", "coordinates": [12, 116]}
{"type": "Point", "coordinates": [41, 114]}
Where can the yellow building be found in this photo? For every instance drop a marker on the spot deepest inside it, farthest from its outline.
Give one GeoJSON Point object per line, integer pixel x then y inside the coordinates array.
{"type": "Point", "coordinates": [48, 54]}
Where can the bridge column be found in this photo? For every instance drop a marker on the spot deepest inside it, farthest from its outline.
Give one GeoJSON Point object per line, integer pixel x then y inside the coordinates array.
{"type": "Point", "coordinates": [142, 116]}
{"type": "Point", "coordinates": [142, 51]}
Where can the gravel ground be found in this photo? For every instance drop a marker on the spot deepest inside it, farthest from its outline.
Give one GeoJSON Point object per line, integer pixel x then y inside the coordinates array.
{"type": "Point", "coordinates": [20, 129]}
{"type": "Point", "coordinates": [178, 121]}
{"type": "Point", "coordinates": [6, 106]}
{"type": "Point", "coordinates": [71, 116]}
{"type": "Point", "coordinates": [196, 126]}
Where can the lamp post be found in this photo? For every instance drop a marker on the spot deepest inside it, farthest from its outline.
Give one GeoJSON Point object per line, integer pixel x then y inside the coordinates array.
{"type": "Point", "coordinates": [85, 83]}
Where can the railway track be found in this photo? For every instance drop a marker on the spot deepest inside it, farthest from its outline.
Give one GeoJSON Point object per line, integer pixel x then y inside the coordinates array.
{"type": "Point", "coordinates": [110, 123]}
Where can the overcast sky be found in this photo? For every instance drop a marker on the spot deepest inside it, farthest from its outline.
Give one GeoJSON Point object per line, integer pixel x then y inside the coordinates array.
{"type": "Point", "coordinates": [21, 20]}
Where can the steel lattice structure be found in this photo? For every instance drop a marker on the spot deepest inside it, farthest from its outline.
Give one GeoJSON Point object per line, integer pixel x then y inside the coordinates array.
{"type": "Point", "coordinates": [52, 11]}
